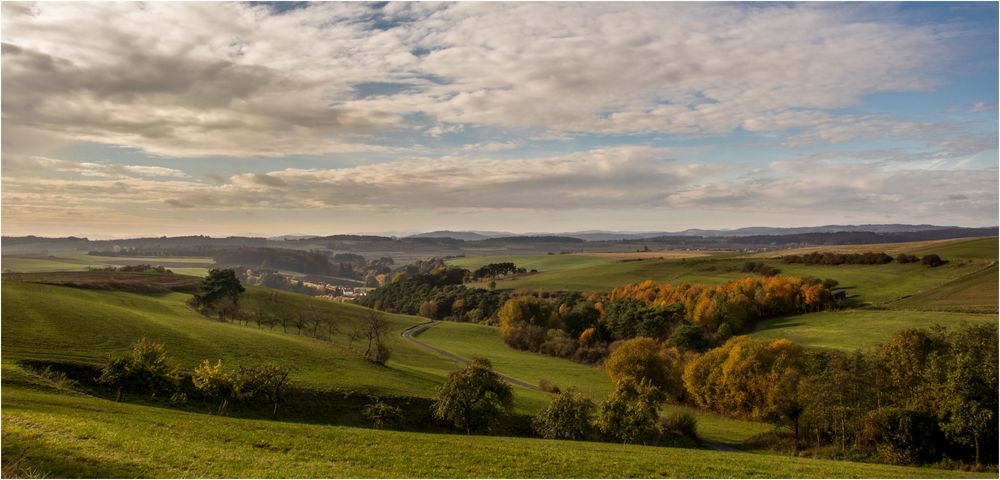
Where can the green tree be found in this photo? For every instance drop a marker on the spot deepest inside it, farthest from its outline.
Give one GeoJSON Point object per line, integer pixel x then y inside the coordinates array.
{"type": "Point", "coordinates": [474, 398]}
{"type": "Point", "coordinates": [220, 291]}
{"type": "Point", "coordinates": [630, 413]}
{"type": "Point", "coordinates": [969, 406]}
{"type": "Point", "coordinates": [567, 417]}
{"type": "Point", "coordinates": [144, 366]}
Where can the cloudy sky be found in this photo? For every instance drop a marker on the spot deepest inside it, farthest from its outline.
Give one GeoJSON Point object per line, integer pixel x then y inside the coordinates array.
{"type": "Point", "coordinates": [224, 118]}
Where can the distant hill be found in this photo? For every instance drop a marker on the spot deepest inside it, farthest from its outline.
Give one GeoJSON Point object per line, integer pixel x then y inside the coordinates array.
{"type": "Point", "coordinates": [461, 235]}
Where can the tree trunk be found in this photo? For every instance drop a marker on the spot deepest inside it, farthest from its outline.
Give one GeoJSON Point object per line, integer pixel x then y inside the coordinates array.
{"type": "Point", "coordinates": [121, 394]}
{"type": "Point", "coordinates": [979, 458]}
{"type": "Point", "coordinates": [222, 406]}
{"type": "Point", "coordinates": [796, 434]}
{"type": "Point", "coordinates": [274, 413]}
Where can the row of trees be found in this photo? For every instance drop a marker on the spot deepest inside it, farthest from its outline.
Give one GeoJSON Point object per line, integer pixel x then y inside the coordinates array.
{"type": "Point", "coordinates": [146, 368]}
{"type": "Point", "coordinates": [494, 270]}
{"type": "Point", "coordinates": [867, 258]}
{"type": "Point", "coordinates": [220, 293]}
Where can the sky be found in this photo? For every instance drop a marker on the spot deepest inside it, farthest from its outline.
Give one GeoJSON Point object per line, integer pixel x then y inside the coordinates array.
{"type": "Point", "coordinates": [129, 119]}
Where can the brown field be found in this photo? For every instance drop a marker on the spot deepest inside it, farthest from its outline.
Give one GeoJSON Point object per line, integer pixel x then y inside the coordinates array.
{"type": "Point", "coordinates": [649, 255]}
{"type": "Point", "coordinates": [889, 248]}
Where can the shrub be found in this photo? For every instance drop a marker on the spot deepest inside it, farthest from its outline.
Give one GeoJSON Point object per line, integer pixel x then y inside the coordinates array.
{"type": "Point", "coordinates": [932, 260]}
{"type": "Point", "coordinates": [546, 386]}
{"type": "Point", "coordinates": [382, 414]}
{"type": "Point", "coordinates": [143, 367]}
{"type": "Point", "coordinates": [567, 417]}
{"type": "Point", "coordinates": [683, 423]}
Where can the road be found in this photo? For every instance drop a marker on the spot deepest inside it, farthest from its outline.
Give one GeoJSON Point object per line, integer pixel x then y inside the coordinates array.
{"type": "Point", "coordinates": [415, 330]}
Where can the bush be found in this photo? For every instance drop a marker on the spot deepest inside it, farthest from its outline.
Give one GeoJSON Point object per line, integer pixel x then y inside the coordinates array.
{"type": "Point", "coordinates": [630, 413]}
{"type": "Point", "coordinates": [382, 414]}
{"type": "Point", "coordinates": [932, 260]}
{"type": "Point", "coordinates": [683, 423]}
{"type": "Point", "coordinates": [567, 417]}
{"type": "Point", "coordinates": [474, 398]}
{"type": "Point", "coordinates": [143, 368]}
{"type": "Point", "coordinates": [548, 387]}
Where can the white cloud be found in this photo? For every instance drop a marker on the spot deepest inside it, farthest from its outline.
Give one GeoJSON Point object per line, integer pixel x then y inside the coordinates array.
{"type": "Point", "coordinates": [251, 83]}
{"type": "Point", "coordinates": [490, 146]}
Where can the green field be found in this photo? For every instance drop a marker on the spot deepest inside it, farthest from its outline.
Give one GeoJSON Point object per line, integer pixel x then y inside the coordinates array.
{"type": "Point", "coordinates": [79, 436]}
{"type": "Point", "coordinates": [861, 328]}
{"type": "Point", "coordinates": [78, 262]}
{"type": "Point", "coordinates": [865, 284]}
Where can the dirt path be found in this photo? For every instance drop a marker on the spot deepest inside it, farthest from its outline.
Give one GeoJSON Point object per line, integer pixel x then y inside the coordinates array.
{"type": "Point", "coordinates": [415, 330]}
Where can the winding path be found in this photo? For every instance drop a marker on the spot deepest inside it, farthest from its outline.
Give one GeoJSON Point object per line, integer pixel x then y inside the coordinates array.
{"type": "Point", "coordinates": [411, 332]}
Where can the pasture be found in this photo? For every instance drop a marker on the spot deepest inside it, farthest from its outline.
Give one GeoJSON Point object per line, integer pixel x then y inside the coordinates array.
{"type": "Point", "coordinates": [64, 435]}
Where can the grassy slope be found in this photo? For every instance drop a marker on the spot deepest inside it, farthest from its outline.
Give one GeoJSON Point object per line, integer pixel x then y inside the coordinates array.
{"type": "Point", "coordinates": [852, 329]}
{"type": "Point", "coordinates": [470, 340]}
{"type": "Point", "coordinates": [875, 283]}
{"type": "Point", "coordinates": [73, 436]}
{"type": "Point", "coordinates": [58, 323]}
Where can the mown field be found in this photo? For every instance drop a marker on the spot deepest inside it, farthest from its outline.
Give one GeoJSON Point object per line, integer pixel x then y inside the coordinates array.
{"type": "Point", "coordinates": [77, 436]}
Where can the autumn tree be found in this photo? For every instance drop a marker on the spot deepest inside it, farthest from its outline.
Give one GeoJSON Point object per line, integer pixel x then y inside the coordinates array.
{"type": "Point", "coordinates": [525, 321]}
{"type": "Point", "coordinates": [639, 360]}
{"type": "Point", "coordinates": [214, 381]}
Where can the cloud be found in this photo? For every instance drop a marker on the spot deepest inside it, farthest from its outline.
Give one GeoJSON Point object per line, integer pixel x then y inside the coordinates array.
{"type": "Point", "coordinates": [173, 202]}
{"type": "Point", "coordinates": [490, 146]}
{"type": "Point", "coordinates": [983, 107]}
{"type": "Point", "coordinates": [256, 83]}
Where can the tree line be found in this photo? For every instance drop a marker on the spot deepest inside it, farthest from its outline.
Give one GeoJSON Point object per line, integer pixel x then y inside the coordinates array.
{"type": "Point", "coordinates": [926, 395]}
{"type": "Point", "coordinates": [867, 258]}
{"type": "Point", "coordinates": [689, 317]}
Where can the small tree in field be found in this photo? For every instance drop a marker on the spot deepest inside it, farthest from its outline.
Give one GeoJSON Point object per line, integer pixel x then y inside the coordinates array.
{"type": "Point", "coordinates": [143, 367]}
{"type": "Point", "coordinates": [269, 379]}
{"type": "Point", "coordinates": [567, 417]}
{"type": "Point", "coordinates": [375, 329]}
{"type": "Point", "coordinates": [474, 398]}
